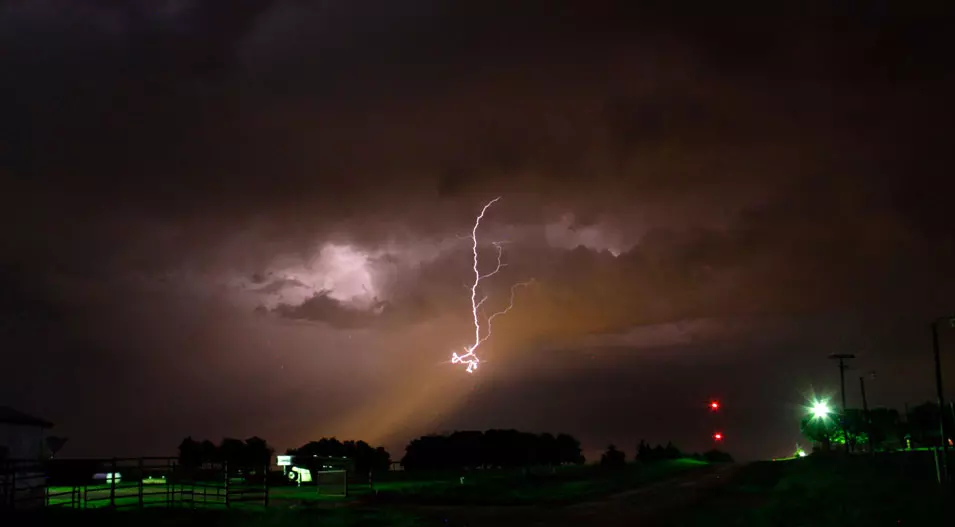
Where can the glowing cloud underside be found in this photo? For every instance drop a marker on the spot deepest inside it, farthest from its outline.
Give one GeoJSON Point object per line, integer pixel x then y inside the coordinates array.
{"type": "Point", "coordinates": [469, 356]}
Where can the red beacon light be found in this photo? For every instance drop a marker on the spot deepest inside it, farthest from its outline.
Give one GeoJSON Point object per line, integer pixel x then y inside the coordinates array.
{"type": "Point", "coordinates": [718, 436]}
{"type": "Point", "coordinates": [714, 405]}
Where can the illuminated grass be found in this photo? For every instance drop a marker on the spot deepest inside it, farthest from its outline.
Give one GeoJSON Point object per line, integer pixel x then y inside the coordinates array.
{"type": "Point", "coordinates": [340, 517]}
{"type": "Point", "coordinates": [126, 495]}
{"type": "Point", "coordinates": [567, 485]}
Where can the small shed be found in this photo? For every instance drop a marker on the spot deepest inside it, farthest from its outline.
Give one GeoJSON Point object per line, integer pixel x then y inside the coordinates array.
{"type": "Point", "coordinates": [22, 435]}
{"type": "Point", "coordinates": [22, 449]}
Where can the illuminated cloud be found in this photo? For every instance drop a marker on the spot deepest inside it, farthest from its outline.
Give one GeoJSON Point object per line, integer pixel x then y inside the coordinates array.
{"type": "Point", "coordinates": [569, 234]}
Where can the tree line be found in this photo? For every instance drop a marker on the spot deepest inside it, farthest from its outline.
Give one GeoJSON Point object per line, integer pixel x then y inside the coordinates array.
{"type": "Point", "coordinates": [613, 457]}
{"type": "Point", "coordinates": [362, 457]}
{"type": "Point", "coordinates": [256, 452]}
{"type": "Point", "coordinates": [880, 428]}
{"type": "Point", "coordinates": [253, 452]}
{"type": "Point", "coordinates": [490, 449]}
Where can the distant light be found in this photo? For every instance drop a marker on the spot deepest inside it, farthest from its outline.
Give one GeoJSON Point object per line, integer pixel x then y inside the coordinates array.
{"type": "Point", "coordinates": [718, 436]}
{"type": "Point", "coordinates": [714, 405]}
{"type": "Point", "coordinates": [801, 453]}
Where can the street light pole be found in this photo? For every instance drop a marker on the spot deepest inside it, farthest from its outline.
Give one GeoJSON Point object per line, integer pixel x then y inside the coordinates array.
{"type": "Point", "coordinates": [943, 438]}
{"type": "Point", "coordinates": [865, 413]}
{"type": "Point", "coordinates": [842, 381]}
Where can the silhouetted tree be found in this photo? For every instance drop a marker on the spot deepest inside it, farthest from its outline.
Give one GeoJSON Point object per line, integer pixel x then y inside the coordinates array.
{"type": "Point", "coordinates": [548, 452]}
{"type": "Point", "coordinates": [257, 452]}
{"type": "Point", "coordinates": [363, 457]}
{"type": "Point", "coordinates": [659, 453]}
{"type": "Point", "coordinates": [493, 448]}
{"type": "Point", "coordinates": [717, 456]}
{"type": "Point", "coordinates": [613, 458]}
{"type": "Point", "coordinates": [54, 444]}
{"type": "Point", "coordinates": [209, 451]}
{"type": "Point", "coordinates": [921, 424]}
{"type": "Point", "coordinates": [190, 453]}
{"type": "Point", "coordinates": [382, 460]}
{"type": "Point", "coordinates": [232, 451]}
{"type": "Point", "coordinates": [254, 452]}
{"type": "Point", "coordinates": [885, 426]}
{"type": "Point", "coordinates": [819, 430]}
{"type": "Point", "coordinates": [467, 447]}
{"type": "Point", "coordinates": [568, 448]}
{"type": "Point", "coordinates": [671, 452]}
{"type": "Point", "coordinates": [645, 454]}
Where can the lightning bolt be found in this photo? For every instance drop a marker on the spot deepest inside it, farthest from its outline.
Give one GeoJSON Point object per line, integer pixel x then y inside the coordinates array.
{"type": "Point", "coordinates": [469, 356]}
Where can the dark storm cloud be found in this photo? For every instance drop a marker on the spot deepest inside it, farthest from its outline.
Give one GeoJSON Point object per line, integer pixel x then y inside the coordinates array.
{"type": "Point", "coordinates": [742, 159]}
{"type": "Point", "coordinates": [274, 286]}
{"type": "Point", "coordinates": [320, 308]}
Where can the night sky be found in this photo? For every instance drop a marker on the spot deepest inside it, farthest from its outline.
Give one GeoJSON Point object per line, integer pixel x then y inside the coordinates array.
{"type": "Point", "coordinates": [251, 217]}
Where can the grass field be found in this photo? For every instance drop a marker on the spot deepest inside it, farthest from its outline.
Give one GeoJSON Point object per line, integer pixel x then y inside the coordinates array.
{"type": "Point", "coordinates": [890, 489]}
{"type": "Point", "coordinates": [567, 485]}
{"type": "Point", "coordinates": [398, 503]}
{"type": "Point", "coordinates": [887, 489]}
{"type": "Point", "coordinates": [338, 517]}
{"type": "Point", "coordinates": [126, 494]}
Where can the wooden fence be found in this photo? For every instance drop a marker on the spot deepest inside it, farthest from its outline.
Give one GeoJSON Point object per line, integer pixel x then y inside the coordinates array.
{"type": "Point", "coordinates": [119, 483]}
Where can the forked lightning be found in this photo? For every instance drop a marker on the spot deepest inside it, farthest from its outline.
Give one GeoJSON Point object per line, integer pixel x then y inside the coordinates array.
{"type": "Point", "coordinates": [469, 356]}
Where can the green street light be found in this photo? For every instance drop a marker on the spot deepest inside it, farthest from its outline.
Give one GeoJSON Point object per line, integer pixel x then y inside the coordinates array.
{"type": "Point", "coordinates": [820, 410]}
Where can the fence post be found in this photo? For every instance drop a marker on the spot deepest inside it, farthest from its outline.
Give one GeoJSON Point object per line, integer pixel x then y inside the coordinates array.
{"type": "Point", "coordinates": [225, 465]}
{"type": "Point", "coordinates": [169, 479]}
{"type": "Point", "coordinates": [142, 476]}
{"type": "Point", "coordinates": [266, 473]}
{"type": "Point", "coordinates": [13, 487]}
{"type": "Point", "coordinates": [112, 485]}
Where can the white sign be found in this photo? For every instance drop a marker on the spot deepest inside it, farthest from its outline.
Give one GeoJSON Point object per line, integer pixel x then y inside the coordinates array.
{"type": "Point", "coordinates": [283, 461]}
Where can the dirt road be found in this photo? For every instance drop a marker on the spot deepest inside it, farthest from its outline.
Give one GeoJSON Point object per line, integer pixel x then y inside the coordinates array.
{"type": "Point", "coordinates": [644, 506]}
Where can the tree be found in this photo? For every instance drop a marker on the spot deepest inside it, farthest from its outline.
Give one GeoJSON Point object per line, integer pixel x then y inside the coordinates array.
{"type": "Point", "coordinates": [819, 430]}
{"type": "Point", "coordinates": [467, 447]}
{"type": "Point", "coordinates": [548, 452]}
{"type": "Point", "coordinates": [363, 457]}
{"type": "Point", "coordinates": [659, 453]}
{"type": "Point", "coordinates": [257, 452]}
{"type": "Point", "coordinates": [232, 451]}
{"type": "Point", "coordinates": [885, 426]}
{"type": "Point", "coordinates": [190, 453]}
{"type": "Point", "coordinates": [492, 448]}
{"type": "Point", "coordinates": [613, 458]}
{"type": "Point", "coordinates": [856, 428]}
{"type": "Point", "coordinates": [671, 452]}
{"type": "Point", "coordinates": [209, 452]}
{"type": "Point", "coordinates": [568, 448]}
{"type": "Point", "coordinates": [717, 456]}
{"type": "Point", "coordinates": [644, 452]}
{"type": "Point", "coordinates": [54, 444]}
{"type": "Point", "coordinates": [922, 424]}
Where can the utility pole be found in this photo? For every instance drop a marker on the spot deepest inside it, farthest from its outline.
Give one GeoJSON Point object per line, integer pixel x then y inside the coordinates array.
{"type": "Point", "coordinates": [842, 382]}
{"type": "Point", "coordinates": [865, 414]}
{"type": "Point", "coordinates": [943, 438]}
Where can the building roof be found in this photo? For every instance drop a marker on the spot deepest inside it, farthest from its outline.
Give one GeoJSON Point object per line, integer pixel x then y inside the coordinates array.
{"type": "Point", "coordinates": [10, 416]}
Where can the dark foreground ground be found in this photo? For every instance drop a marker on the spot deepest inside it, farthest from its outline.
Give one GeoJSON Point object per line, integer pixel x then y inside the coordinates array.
{"type": "Point", "coordinates": [892, 489]}
{"type": "Point", "coordinates": [888, 489]}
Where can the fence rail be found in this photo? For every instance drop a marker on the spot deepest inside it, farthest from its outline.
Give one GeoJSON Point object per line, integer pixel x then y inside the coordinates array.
{"type": "Point", "coordinates": [121, 483]}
